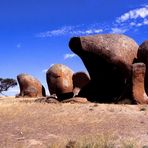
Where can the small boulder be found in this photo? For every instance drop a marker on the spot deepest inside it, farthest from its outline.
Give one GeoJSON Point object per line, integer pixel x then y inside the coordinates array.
{"type": "Point", "coordinates": [80, 80]}
{"type": "Point", "coordinates": [59, 80]}
{"type": "Point", "coordinates": [30, 86]}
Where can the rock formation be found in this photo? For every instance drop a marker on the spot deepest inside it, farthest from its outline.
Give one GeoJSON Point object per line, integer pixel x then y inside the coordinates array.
{"type": "Point", "coordinates": [75, 100]}
{"type": "Point", "coordinates": [108, 59]}
{"type": "Point", "coordinates": [30, 86]}
{"type": "Point", "coordinates": [80, 80]}
{"type": "Point", "coordinates": [59, 80]}
{"type": "Point", "coordinates": [142, 56]}
{"type": "Point", "coordinates": [138, 76]}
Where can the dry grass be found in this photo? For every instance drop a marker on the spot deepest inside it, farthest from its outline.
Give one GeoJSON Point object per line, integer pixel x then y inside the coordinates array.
{"type": "Point", "coordinates": [26, 124]}
{"type": "Point", "coordinates": [98, 141]}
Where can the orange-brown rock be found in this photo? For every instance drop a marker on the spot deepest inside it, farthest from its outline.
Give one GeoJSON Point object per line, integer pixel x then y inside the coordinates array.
{"type": "Point", "coordinates": [108, 59]}
{"type": "Point", "coordinates": [59, 80]}
{"type": "Point", "coordinates": [52, 100]}
{"type": "Point", "coordinates": [30, 86]}
{"type": "Point", "coordinates": [75, 100]}
{"type": "Point", "coordinates": [142, 56]}
{"type": "Point", "coordinates": [138, 76]}
{"type": "Point", "coordinates": [49, 99]}
{"type": "Point", "coordinates": [80, 80]}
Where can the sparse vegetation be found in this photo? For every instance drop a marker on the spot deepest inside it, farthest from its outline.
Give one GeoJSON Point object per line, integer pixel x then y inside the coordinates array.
{"type": "Point", "coordinates": [99, 141]}
{"type": "Point", "coordinates": [25, 123]}
{"type": "Point", "coordinates": [129, 144]}
{"type": "Point", "coordinates": [5, 84]}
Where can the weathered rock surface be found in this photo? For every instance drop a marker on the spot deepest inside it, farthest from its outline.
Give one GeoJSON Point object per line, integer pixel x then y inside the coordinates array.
{"type": "Point", "coordinates": [142, 56]}
{"type": "Point", "coordinates": [49, 99]}
{"type": "Point", "coordinates": [52, 100]}
{"type": "Point", "coordinates": [108, 59]}
{"type": "Point", "coordinates": [75, 100]}
{"type": "Point", "coordinates": [59, 80]}
{"type": "Point", "coordinates": [30, 86]}
{"type": "Point", "coordinates": [80, 80]}
{"type": "Point", "coordinates": [138, 76]}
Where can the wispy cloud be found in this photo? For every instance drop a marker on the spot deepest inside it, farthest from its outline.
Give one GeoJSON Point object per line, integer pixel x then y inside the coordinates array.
{"type": "Point", "coordinates": [127, 21]}
{"type": "Point", "coordinates": [86, 32]}
{"type": "Point", "coordinates": [139, 24]}
{"type": "Point", "coordinates": [134, 18]}
{"type": "Point", "coordinates": [134, 14]}
{"type": "Point", "coordinates": [118, 30]}
{"type": "Point", "coordinates": [56, 32]}
{"type": "Point", "coordinates": [70, 30]}
{"type": "Point", "coordinates": [69, 56]}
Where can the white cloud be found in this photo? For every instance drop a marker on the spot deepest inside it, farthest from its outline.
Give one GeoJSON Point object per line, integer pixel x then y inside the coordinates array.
{"type": "Point", "coordinates": [145, 22]}
{"type": "Point", "coordinates": [139, 24]}
{"type": "Point", "coordinates": [131, 19]}
{"type": "Point", "coordinates": [56, 32]}
{"type": "Point", "coordinates": [127, 21]}
{"type": "Point", "coordinates": [69, 56]}
{"type": "Point", "coordinates": [132, 24]}
{"type": "Point", "coordinates": [118, 30]}
{"type": "Point", "coordinates": [86, 32]}
{"type": "Point", "coordinates": [98, 30]}
{"type": "Point", "coordinates": [134, 14]}
{"type": "Point", "coordinates": [70, 30]}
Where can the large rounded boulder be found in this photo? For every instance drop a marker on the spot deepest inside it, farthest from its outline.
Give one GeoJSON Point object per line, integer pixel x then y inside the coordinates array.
{"type": "Point", "coordinates": [108, 59]}
{"type": "Point", "coordinates": [30, 86]}
{"type": "Point", "coordinates": [59, 80]}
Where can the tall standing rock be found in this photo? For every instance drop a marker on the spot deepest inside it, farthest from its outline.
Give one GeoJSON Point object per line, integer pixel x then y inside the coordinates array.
{"type": "Point", "coordinates": [108, 59]}
{"type": "Point", "coordinates": [142, 56]}
{"type": "Point", "coordinates": [138, 76]}
{"type": "Point", "coordinates": [30, 86]}
{"type": "Point", "coordinates": [59, 80]}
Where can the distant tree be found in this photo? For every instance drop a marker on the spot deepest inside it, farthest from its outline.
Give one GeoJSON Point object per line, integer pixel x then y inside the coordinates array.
{"type": "Point", "coordinates": [5, 84]}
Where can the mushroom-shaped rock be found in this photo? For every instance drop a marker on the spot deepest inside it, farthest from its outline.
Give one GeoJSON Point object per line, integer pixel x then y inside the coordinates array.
{"type": "Point", "coordinates": [30, 86]}
{"type": "Point", "coordinates": [80, 80]}
{"type": "Point", "coordinates": [142, 56]}
{"type": "Point", "coordinates": [108, 59]}
{"type": "Point", "coordinates": [59, 80]}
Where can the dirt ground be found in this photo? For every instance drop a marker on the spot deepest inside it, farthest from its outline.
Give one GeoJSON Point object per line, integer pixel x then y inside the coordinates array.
{"type": "Point", "coordinates": [28, 124]}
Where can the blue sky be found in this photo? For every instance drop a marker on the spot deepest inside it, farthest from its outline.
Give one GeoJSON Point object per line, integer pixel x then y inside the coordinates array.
{"type": "Point", "coordinates": [34, 34]}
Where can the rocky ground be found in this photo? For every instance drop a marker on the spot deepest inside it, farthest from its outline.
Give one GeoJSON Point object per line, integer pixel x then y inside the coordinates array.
{"type": "Point", "coordinates": [28, 124]}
